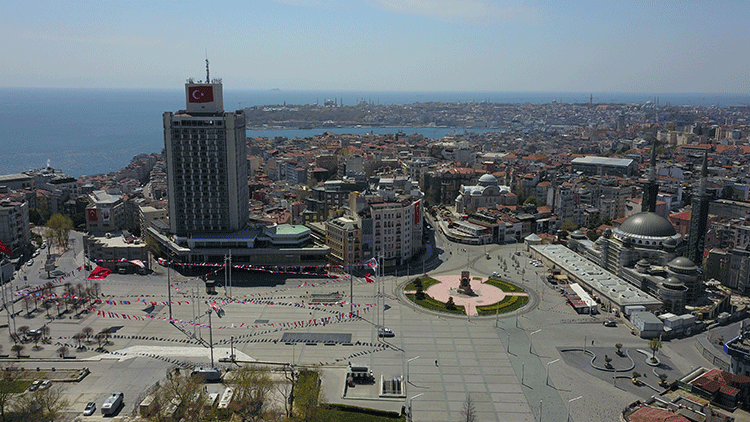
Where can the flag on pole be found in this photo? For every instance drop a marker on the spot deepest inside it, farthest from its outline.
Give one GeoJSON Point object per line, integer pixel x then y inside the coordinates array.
{"type": "Point", "coordinates": [373, 263]}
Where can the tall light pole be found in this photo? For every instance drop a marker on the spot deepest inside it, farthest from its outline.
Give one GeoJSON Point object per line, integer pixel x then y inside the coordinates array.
{"type": "Point", "coordinates": [569, 402]}
{"type": "Point", "coordinates": [230, 273]}
{"type": "Point", "coordinates": [530, 343]}
{"type": "Point", "coordinates": [410, 400]}
{"type": "Point", "coordinates": [407, 367]}
{"type": "Point", "coordinates": [548, 364]}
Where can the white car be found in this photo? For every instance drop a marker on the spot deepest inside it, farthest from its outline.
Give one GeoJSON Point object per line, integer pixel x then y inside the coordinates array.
{"type": "Point", "coordinates": [45, 385]}
{"type": "Point", "coordinates": [386, 332]}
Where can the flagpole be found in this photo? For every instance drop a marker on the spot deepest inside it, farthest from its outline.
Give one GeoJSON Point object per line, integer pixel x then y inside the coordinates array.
{"type": "Point", "coordinates": [351, 290]}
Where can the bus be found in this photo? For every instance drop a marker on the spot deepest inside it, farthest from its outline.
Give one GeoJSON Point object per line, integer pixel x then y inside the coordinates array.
{"type": "Point", "coordinates": [112, 403]}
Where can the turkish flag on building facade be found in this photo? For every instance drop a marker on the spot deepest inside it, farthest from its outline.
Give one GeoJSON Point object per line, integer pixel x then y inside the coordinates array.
{"type": "Point", "coordinates": [92, 214]}
{"type": "Point", "coordinates": [200, 94]}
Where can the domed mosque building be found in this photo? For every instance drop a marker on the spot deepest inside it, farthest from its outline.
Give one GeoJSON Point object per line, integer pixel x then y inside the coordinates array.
{"type": "Point", "coordinates": [486, 193]}
{"type": "Point", "coordinates": [646, 251]}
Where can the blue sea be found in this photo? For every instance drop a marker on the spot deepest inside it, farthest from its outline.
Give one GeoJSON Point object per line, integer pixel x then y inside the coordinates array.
{"type": "Point", "coordinates": [94, 131]}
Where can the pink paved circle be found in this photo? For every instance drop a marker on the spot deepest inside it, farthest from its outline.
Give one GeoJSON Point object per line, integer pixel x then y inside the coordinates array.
{"type": "Point", "coordinates": [486, 294]}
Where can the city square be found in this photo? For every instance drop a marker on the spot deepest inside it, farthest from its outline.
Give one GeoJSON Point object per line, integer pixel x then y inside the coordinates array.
{"type": "Point", "coordinates": [512, 366]}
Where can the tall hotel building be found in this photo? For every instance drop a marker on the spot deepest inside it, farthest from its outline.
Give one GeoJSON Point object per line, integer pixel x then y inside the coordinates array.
{"type": "Point", "coordinates": [206, 164]}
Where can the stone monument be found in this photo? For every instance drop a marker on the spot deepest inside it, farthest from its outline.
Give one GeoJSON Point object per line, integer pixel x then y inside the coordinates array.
{"type": "Point", "coordinates": [465, 286]}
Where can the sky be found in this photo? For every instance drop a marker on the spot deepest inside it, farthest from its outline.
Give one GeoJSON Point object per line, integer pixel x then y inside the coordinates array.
{"type": "Point", "coordinates": [639, 46]}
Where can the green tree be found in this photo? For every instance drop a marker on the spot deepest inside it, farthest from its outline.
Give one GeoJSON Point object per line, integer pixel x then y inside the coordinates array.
{"type": "Point", "coordinates": [569, 226]}
{"type": "Point", "coordinates": [531, 200]}
{"type": "Point", "coordinates": [61, 225]}
{"type": "Point", "coordinates": [654, 345]}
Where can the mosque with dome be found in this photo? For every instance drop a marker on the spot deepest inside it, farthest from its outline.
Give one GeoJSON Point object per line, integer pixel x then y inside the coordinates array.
{"type": "Point", "coordinates": [486, 193]}
{"type": "Point", "coordinates": [646, 251]}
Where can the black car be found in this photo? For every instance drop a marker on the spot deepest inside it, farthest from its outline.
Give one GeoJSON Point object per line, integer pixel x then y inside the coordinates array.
{"type": "Point", "coordinates": [610, 323]}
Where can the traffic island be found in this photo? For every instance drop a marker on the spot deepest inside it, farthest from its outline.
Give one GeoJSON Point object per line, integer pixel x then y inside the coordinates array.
{"type": "Point", "coordinates": [464, 295]}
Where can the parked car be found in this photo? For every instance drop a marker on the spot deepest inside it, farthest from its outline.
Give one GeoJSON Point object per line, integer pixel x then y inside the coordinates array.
{"type": "Point", "coordinates": [610, 323]}
{"type": "Point", "coordinates": [45, 385]}
{"type": "Point", "coordinates": [34, 385]}
{"type": "Point", "coordinates": [386, 332]}
{"type": "Point", "coordinates": [90, 409]}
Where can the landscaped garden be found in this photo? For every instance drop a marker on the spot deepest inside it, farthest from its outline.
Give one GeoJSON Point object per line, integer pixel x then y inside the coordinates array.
{"type": "Point", "coordinates": [507, 296]}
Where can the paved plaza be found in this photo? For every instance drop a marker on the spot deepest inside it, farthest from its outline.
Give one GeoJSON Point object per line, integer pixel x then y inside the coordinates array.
{"type": "Point", "coordinates": [511, 366]}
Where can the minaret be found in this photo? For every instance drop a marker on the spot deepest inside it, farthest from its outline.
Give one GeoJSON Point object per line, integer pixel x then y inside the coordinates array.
{"type": "Point", "coordinates": [651, 190]}
{"type": "Point", "coordinates": [699, 218]}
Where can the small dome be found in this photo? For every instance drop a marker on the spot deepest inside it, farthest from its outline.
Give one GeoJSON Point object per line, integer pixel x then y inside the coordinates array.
{"type": "Point", "coordinates": [670, 243]}
{"type": "Point", "coordinates": [643, 262]}
{"type": "Point", "coordinates": [673, 283]}
{"type": "Point", "coordinates": [577, 234]}
{"type": "Point", "coordinates": [681, 264]}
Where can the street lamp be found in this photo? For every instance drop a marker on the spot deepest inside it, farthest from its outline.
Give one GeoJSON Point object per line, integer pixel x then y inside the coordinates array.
{"type": "Point", "coordinates": [570, 401]}
{"type": "Point", "coordinates": [410, 400]}
{"type": "Point", "coordinates": [210, 337]}
{"type": "Point", "coordinates": [530, 343]}
{"type": "Point", "coordinates": [407, 367]}
{"type": "Point", "coordinates": [548, 364]}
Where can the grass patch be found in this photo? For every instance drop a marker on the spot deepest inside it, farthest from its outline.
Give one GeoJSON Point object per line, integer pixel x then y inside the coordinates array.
{"type": "Point", "coordinates": [426, 283]}
{"type": "Point", "coordinates": [504, 285]}
{"type": "Point", "coordinates": [509, 304]}
{"type": "Point", "coordinates": [436, 305]}
{"type": "Point", "coordinates": [15, 386]}
{"type": "Point", "coordinates": [344, 413]}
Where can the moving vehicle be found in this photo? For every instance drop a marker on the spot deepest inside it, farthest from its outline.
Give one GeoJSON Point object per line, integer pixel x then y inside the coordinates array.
{"type": "Point", "coordinates": [386, 332]}
{"type": "Point", "coordinates": [112, 403]}
{"type": "Point", "coordinates": [90, 409]}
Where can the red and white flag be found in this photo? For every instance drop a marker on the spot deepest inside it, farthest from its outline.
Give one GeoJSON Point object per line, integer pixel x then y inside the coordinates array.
{"type": "Point", "coordinates": [201, 94]}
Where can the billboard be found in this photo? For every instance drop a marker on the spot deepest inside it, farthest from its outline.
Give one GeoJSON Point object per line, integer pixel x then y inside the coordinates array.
{"type": "Point", "coordinates": [105, 214]}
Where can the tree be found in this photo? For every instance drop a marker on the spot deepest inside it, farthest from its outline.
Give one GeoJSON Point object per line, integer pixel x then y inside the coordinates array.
{"type": "Point", "coordinates": [45, 330]}
{"type": "Point", "coordinates": [662, 379]}
{"type": "Point", "coordinates": [654, 345]}
{"type": "Point", "coordinates": [251, 387]}
{"type": "Point", "coordinates": [9, 375]}
{"type": "Point", "coordinates": [619, 348]}
{"type": "Point", "coordinates": [17, 349]}
{"type": "Point", "coordinates": [46, 305]}
{"type": "Point", "coordinates": [607, 361]}
{"type": "Point", "coordinates": [60, 225]}
{"type": "Point", "coordinates": [531, 200]}
{"type": "Point", "coordinates": [44, 405]}
{"type": "Point", "coordinates": [87, 332]}
{"type": "Point", "coordinates": [185, 391]}
{"type": "Point", "coordinates": [79, 338]}
{"type": "Point", "coordinates": [23, 330]}
{"type": "Point", "coordinates": [450, 305]}
{"type": "Point", "coordinates": [469, 413]}
{"type": "Point", "coordinates": [636, 375]}
{"type": "Point", "coordinates": [27, 303]}
{"type": "Point", "coordinates": [100, 339]}
{"type": "Point", "coordinates": [569, 226]}
{"type": "Point", "coordinates": [62, 351]}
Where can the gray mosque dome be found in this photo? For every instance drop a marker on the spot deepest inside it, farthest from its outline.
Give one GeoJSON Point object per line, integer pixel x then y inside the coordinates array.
{"type": "Point", "coordinates": [671, 242]}
{"type": "Point", "coordinates": [487, 180]}
{"type": "Point", "coordinates": [577, 234]}
{"type": "Point", "coordinates": [673, 283]}
{"type": "Point", "coordinates": [682, 264]}
{"type": "Point", "coordinates": [647, 224]}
